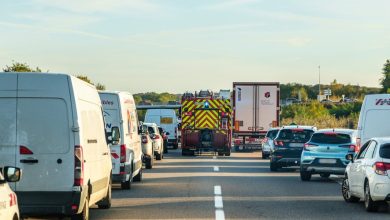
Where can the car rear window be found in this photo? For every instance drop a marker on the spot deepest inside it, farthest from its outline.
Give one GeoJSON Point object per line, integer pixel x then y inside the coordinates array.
{"type": "Point", "coordinates": [295, 135]}
{"type": "Point", "coordinates": [151, 130]}
{"type": "Point", "coordinates": [272, 134]}
{"type": "Point", "coordinates": [384, 152]}
{"type": "Point", "coordinates": [331, 138]}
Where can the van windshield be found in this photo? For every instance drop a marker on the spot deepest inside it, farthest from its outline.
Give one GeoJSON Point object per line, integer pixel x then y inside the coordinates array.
{"type": "Point", "coordinates": [331, 138]}
{"type": "Point", "coordinates": [384, 152]}
{"type": "Point", "coordinates": [295, 135]}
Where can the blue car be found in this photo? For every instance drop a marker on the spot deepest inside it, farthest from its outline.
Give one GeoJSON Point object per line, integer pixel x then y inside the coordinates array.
{"type": "Point", "coordinates": [325, 153]}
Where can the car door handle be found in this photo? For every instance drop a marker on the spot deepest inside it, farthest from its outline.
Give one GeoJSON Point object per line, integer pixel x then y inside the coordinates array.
{"type": "Point", "coordinates": [30, 161]}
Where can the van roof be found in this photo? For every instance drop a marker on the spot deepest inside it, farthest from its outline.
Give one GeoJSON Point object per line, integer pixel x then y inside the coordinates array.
{"type": "Point", "coordinates": [114, 92]}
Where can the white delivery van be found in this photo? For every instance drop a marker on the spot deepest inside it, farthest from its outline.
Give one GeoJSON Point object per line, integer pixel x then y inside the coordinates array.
{"type": "Point", "coordinates": [119, 111]}
{"type": "Point", "coordinates": [167, 119]}
{"type": "Point", "coordinates": [374, 120]}
{"type": "Point", "coordinates": [52, 128]}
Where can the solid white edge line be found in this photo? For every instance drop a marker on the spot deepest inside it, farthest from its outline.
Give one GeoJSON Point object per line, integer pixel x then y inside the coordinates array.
{"type": "Point", "coordinates": [219, 215]}
{"type": "Point", "coordinates": [217, 190]}
{"type": "Point", "coordinates": [218, 202]}
{"type": "Point", "coordinates": [216, 169]}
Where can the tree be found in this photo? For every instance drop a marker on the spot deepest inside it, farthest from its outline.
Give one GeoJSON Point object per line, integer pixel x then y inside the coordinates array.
{"type": "Point", "coordinates": [20, 67]}
{"type": "Point", "coordinates": [85, 78]}
{"type": "Point", "coordinates": [385, 80]}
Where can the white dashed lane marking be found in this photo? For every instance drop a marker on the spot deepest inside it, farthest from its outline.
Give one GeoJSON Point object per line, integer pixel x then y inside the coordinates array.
{"type": "Point", "coordinates": [218, 203]}
{"type": "Point", "coordinates": [216, 169]}
{"type": "Point", "coordinates": [217, 190]}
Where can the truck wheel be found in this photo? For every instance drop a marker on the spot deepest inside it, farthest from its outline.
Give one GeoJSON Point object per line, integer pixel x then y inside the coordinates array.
{"type": "Point", "coordinates": [305, 176]}
{"type": "Point", "coordinates": [273, 166]}
{"type": "Point", "coordinates": [84, 215]}
{"type": "Point", "coordinates": [106, 202]}
{"type": "Point", "coordinates": [138, 177]}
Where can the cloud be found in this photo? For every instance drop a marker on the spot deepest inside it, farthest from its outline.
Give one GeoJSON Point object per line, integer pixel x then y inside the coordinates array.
{"type": "Point", "coordinates": [298, 41]}
{"type": "Point", "coordinates": [231, 4]}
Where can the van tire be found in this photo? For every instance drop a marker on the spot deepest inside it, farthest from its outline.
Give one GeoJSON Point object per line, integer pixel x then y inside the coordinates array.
{"type": "Point", "coordinates": [227, 153]}
{"type": "Point", "coordinates": [138, 177]}
{"type": "Point", "coordinates": [106, 202]}
{"type": "Point", "coordinates": [127, 184]}
{"type": "Point", "coordinates": [84, 215]}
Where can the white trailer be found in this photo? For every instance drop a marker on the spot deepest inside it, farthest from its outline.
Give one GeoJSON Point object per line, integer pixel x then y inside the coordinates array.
{"type": "Point", "coordinates": [256, 107]}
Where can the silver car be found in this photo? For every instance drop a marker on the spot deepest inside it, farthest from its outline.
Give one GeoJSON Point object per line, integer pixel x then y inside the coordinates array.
{"type": "Point", "coordinates": [268, 142]}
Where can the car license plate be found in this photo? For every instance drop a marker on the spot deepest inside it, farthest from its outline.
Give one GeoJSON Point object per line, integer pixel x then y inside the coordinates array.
{"type": "Point", "coordinates": [327, 161]}
{"type": "Point", "coordinates": [296, 145]}
{"type": "Point", "coordinates": [240, 147]}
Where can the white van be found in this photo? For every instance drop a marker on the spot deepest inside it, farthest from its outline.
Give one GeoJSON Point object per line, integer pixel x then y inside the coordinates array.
{"type": "Point", "coordinates": [52, 128]}
{"type": "Point", "coordinates": [119, 111]}
{"type": "Point", "coordinates": [167, 119]}
{"type": "Point", "coordinates": [374, 118]}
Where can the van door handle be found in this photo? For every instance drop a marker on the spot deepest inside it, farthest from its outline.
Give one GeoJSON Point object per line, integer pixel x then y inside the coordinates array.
{"type": "Point", "coordinates": [105, 153]}
{"type": "Point", "coordinates": [29, 161]}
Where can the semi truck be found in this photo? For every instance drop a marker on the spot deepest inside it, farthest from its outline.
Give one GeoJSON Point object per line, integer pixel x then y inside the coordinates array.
{"type": "Point", "coordinates": [206, 124]}
{"type": "Point", "coordinates": [256, 108]}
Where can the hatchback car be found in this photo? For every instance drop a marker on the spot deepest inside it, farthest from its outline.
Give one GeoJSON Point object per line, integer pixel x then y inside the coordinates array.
{"type": "Point", "coordinates": [367, 176]}
{"type": "Point", "coordinates": [157, 139]}
{"type": "Point", "coordinates": [288, 146]}
{"type": "Point", "coordinates": [8, 201]}
{"type": "Point", "coordinates": [268, 142]}
{"type": "Point", "coordinates": [325, 153]}
{"type": "Point", "coordinates": [147, 147]}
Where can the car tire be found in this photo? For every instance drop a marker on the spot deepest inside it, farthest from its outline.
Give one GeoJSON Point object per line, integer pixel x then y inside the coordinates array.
{"type": "Point", "coordinates": [138, 177]}
{"type": "Point", "coordinates": [149, 162]}
{"type": "Point", "coordinates": [106, 202]}
{"type": "Point", "coordinates": [370, 205]}
{"type": "Point", "coordinates": [345, 191]}
{"type": "Point", "coordinates": [273, 166]}
{"type": "Point", "coordinates": [325, 175]}
{"type": "Point", "coordinates": [84, 215]}
{"type": "Point", "coordinates": [158, 156]}
{"type": "Point", "coordinates": [305, 176]}
{"type": "Point", "coordinates": [227, 153]}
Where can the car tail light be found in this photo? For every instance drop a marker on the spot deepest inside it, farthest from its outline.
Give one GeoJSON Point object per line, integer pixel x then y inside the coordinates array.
{"type": "Point", "coordinates": [278, 143]}
{"type": "Point", "coordinates": [144, 140]}
{"type": "Point", "coordinates": [307, 146]}
{"type": "Point", "coordinates": [156, 137]}
{"type": "Point", "coordinates": [123, 153]}
{"type": "Point", "coordinates": [78, 166]}
{"type": "Point", "coordinates": [265, 140]}
{"type": "Point", "coordinates": [381, 168]}
{"type": "Point", "coordinates": [352, 148]}
{"type": "Point", "coordinates": [23, 150]}
{"type": "Point", "coordinates": [12, 199]}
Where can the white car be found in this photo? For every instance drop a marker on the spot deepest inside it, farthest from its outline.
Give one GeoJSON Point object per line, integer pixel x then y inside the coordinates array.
{"type": "Point", "coordinates": [8, 201]}
{"type": "Point", "coordinates": [147, 147]}
{"type": "Point", "coordinates": [367, 176]}
{"type": "Point", "coordinates": [158, 142]}
{"type": "Point", "coordinates": [268, 142]}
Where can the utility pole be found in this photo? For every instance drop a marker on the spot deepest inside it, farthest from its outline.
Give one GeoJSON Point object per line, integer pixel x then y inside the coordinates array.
{"type": "Point", "coordinates": [319, 83]}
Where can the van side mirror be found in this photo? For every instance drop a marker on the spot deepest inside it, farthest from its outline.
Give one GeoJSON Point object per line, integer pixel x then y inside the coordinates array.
{"type": "Point", "coordinates": [12, 174]}
{"type": "Point", "coordinates": [349, 157]}
{"type": "Point", "coordinates": [114, 136]}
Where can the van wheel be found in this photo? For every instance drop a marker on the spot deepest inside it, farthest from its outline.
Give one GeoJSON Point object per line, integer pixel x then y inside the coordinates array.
{"type": "Point", "coordinates": [159, 156]}
{"type": "Point", "coordinates": [84, 215]}
{"type": "Point", "coordinates": [106, 202]}
{"type": "Point", "coordinates": [127, 184]}
{"type": "Point", "coordinates": [15, 217]}
{"type": "Point", "coordinates": [227, 153]}
{"type": "Point", "coordinates": [370, 205]}
{"type": "Point", "coordinates": [138, 178]}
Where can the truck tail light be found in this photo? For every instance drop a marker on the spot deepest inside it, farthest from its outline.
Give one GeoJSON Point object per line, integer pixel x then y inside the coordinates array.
{"type": "Point", "coordinates": [144, 140]}
{"type": "Point", "coordinates": [381, 168]}
{"type": "Point", "coordinates": [123, 153]}
{"type": "Point", "coordinates": [78, 166]}
{"type": "Point", "coordinates": [23, 150]}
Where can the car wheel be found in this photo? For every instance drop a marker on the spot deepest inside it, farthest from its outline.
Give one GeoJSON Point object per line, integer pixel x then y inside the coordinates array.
{"type": "Point", "coordinates": [305, 176]}
{"type": "Point", "coordinates": [220, 153]}
{"type": "Point", "coordinates": [370, 205]}
{"type": "Point", "coordinates": [325, 175]}
{"type": "Point", "coordinates": [158, 156]}
{"type": "Point", "coordinates": [106, 202]}
{"type": "Point", "coordinates": [149, 162]}
{"type": "Point", "coordinates": [348, 197]}
{"type": "Point", "coordinates": [263, 155]}
{"type": "Point", "coordinates": [138, 177]}
{"type": "Point", "coordinates": [273, 166]}
{"type": "Point", "coordinates": [84, 215]}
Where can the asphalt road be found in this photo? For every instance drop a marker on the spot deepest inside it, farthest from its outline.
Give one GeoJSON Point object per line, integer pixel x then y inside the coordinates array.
{"type": "Point", "coordinates": [236, 187]}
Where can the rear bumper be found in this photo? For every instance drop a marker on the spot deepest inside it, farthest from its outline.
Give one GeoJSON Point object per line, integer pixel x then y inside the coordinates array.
{"type": "Point", "coordinates": [286, 162]}
{"type": "Point", "coordinates": [316, 167]}
{"type": "Point", "coordinates": [51, 203]}
{"type": "Point", "coordinates": [380, 188]}
{"type": "Point", "coordinates": [124, 175]}
{"type": "Point", "coordinates": [172, 142]}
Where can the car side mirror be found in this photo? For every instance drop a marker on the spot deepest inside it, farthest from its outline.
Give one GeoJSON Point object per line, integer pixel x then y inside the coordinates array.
{"type": "Point", "coordinates": [349, 157]}
{"type": "Point", "coordinates": [12, 174]}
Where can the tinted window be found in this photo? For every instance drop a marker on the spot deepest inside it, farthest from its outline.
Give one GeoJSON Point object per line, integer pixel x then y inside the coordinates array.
{"type": "Point", "coordinates": [160, 130]}
{"type": "Point", "coordinates": [331, 138]}
{"type": "Point", "coordinates": [384, 152]}
{"type": "Point", "coordinates": [296, 135]}
{"type": "Point", "coordinates": [272, 134]}
{"type": "Point", "coordinates": [151, 130]}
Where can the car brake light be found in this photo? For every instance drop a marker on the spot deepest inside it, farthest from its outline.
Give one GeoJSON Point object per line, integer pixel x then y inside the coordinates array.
{"type": "Point", "coordinates": [23, 150]}
{"type": "Point", "coordinates": [78, 166]}
{"type": "Point", "coordinates": [156, 137]}
{"type": "Point", "coordinates": [123, 153]}
{"type": "Point", "coordinates": [381, 168]}
{"type": "Point", "coordinates": [12, 200]}
{"type": "Point", "coordinates": [330, 134]}
{"type": "Point", "coordinates": [278, 143]}
{"type": "Point", "coordinates": [307, 146]}
{"type": "Point", "coordinates": [352, 148]}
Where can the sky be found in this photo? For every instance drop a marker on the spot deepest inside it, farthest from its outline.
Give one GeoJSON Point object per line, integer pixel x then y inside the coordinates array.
{"type": "Point", "coordinates": [187, 45]}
